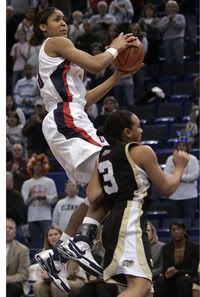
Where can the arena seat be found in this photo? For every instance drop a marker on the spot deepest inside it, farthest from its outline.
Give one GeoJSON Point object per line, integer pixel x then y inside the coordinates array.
{"type": "Point", "coordinates": [174, 128]}
{"type": "Point", "coordinates": [184, 88]}
{"type": "Point", "coordinates": [167, 222]}
{"type": "Point", "coordinates": [152, 143]}
{"type": "Point", "coordinates": [145, 112]}
{"type": "Point", "coordinates": [179, 98]}
{"type": "Point", "coordinates": [174, 110]}
{"type": "Point", "coordinates": [155, 132]}
{"type": "Point", "coordinates": [177, 70]}
{"type": "Point", "coordinates": [60, 179]}
{"type": "Point", "coordinates": [164, 120]}
{"type": "Point", "coordinates": [152, 72]}
{"type": "Point", "coordinates": [191, 67]}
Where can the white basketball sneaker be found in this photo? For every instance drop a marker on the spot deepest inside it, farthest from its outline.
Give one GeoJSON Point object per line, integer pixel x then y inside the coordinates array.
{"type": "Point", "coordinates": [80, 251]}
{"type": "Point", "coordinates": [54, 268]}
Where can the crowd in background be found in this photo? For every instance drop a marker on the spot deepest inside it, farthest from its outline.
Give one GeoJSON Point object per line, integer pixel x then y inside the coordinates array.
{"type": "Point", "coordinates": [168, 31]}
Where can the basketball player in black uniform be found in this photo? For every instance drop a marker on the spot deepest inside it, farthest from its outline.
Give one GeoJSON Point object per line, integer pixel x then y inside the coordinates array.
{"type": "Point", "coordinates": [123, 176]}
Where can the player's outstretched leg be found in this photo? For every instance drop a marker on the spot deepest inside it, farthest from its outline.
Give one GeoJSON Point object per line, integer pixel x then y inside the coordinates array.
{"type": "Point", "coordinates": [79, 249]}
{"type": "Point", "coordinates": [50, 262]}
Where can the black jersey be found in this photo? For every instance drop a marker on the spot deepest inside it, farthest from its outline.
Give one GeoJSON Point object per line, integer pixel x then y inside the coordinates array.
{"type": "Point", "coordinates": [126, 191]}
{"type": "Point", "coordinates": [121, 178]}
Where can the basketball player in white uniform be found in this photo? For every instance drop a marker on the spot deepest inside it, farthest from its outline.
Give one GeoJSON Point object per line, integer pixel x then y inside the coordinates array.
{"type": "Point", "coordinates": [67, 129]}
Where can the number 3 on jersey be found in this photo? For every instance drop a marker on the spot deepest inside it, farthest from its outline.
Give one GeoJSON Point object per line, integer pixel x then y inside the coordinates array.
{"type": "Point", "coordinates": [106, 169]}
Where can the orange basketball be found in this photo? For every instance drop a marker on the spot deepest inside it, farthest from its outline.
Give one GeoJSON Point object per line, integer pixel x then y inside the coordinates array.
{"type": "Point", "coordinates": [130, 58]}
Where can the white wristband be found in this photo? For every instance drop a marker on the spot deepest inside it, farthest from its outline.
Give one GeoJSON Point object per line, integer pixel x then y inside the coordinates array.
{"type": "Point", "coordinates": [113, 51]}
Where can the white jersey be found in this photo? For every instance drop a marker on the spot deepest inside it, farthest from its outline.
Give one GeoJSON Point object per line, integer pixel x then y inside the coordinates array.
{"type": "Point", "coordinates": [68, 131]}
{"type": "Point", "coordinates": [60, 80]}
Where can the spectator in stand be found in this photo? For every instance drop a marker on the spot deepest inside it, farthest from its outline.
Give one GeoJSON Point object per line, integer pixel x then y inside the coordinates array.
{"type": "Point", "coordinates": [14, 129]}
{"type": "Point", "coordinates": [149, 24]}
{"type": "Point", "coordinates": [101, 21]}
{"type": "Point", "coordinates": [102, 17]}
{"type": "Point", "coordinates": [43, 4]}
{"type": "Point", "coordinates": [43, 287]}
{"type": "Point", "coordinates": [192, 126]}
{"type": "Point", "coordinates": [123, 12]}
{"type": "Point", "coordinates": [76, 28]}
{"type": "Point", "coordinates": [172, 26]}
{"type": "Point", "coordinates": [92, 7]}
{"type": "Point", "coordinates": [183, 200]}
{"type": "Point", "coordinates": [156, 249]}
{"type": "Point", "coordinates": [17, 262]}
{"type": "Point", "coordinates": [87, 38]}
{"type": "Point", "coordinates": [66, 206]}
{"type": "Point", "coordinates": [26, 91]}
{"type": "Point", "coordinates": [20, 7]}
{"type": "Point", "coordinates": [11, 27]}
{"type": "Point", "coordinates": [36, 142]}
{"type": "Point", "coordinates": [14, 205]}
{"type": "Point", "coordinates": [110, 104]}
{"type": "Point", "coordinates": [17, 166]}
{"type": "Point", "coordinates": [19, 54]}
{"type": "Point", "coordinates": [11, 106]}
{"type": "Point", "coordinates": [190, 10]}
{"type": "Point", "coordinates": [180, 264]}
{"type": "Point", "coordinates": [39, 193]}
{"type": "Point", "coordinates": [26, 24]}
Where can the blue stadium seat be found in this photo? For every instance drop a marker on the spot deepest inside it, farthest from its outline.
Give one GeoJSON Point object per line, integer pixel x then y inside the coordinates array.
{"type": "Point", "coordinates": [155, 223]}
{"type": "Point", "coordinates": [174, 110]}
{"type": "Point", "coordinates": [184, 88]}
{"type": "Point", "coordinates": [171, 142]}
{"type": "Point", "coordinates": [185, 119]}
{"type": "Point", "coordinates": [187, 106]}
{"type": "Point", "coordinates": [168, 222]}
{"type": "Point", "coordinates": [191, 67]}
{"type": "Point", "coordinates": [60, 179]}
{"type": "Point", "coordinates": [173, 70]}
{"type": "Point", "coordinates": [158, 216]}
{"type": "Point", "coordinates": [164, 121]}
{"type": "Point", "coordinates": [152, 72]}
{"type": "Point", "coordinates": [155, 132]}
{"type": "Point", "coordinates": [162, 155]}
{"type": "Point", "coordinates": [179, 98]}
{"type": "Point", "coordinates": [171, 79]}
{"type": "Point", "coordinates": [145, 112]}
{"type": "Point", "coordinates": [152, 143]}
{"type": "Point", "coordinates": [174, 128]}
{"type": "Point", "coordinates": [163, 235]}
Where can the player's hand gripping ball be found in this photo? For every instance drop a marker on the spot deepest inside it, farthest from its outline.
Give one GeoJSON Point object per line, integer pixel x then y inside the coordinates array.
{"type": "Point", "coordinates": [130, 58]}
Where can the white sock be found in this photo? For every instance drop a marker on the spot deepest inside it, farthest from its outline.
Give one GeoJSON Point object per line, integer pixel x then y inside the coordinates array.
{"type": "Point", "coordinates": [91, 221]}
{"type": "Point", "coordinates": [64, 236]}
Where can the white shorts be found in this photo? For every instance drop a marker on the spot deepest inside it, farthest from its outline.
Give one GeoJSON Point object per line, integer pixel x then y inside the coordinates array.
{"type": "Point", "coordinates": [126, 251]}
{"type": "Point", "coordinates": [73, 141]}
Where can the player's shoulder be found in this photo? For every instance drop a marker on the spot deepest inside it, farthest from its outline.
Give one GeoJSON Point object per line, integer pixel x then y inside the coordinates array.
{"type": "Point", "coordinates": [58, 40]}
{"type": "Point", "coordinates": [141, 148]}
